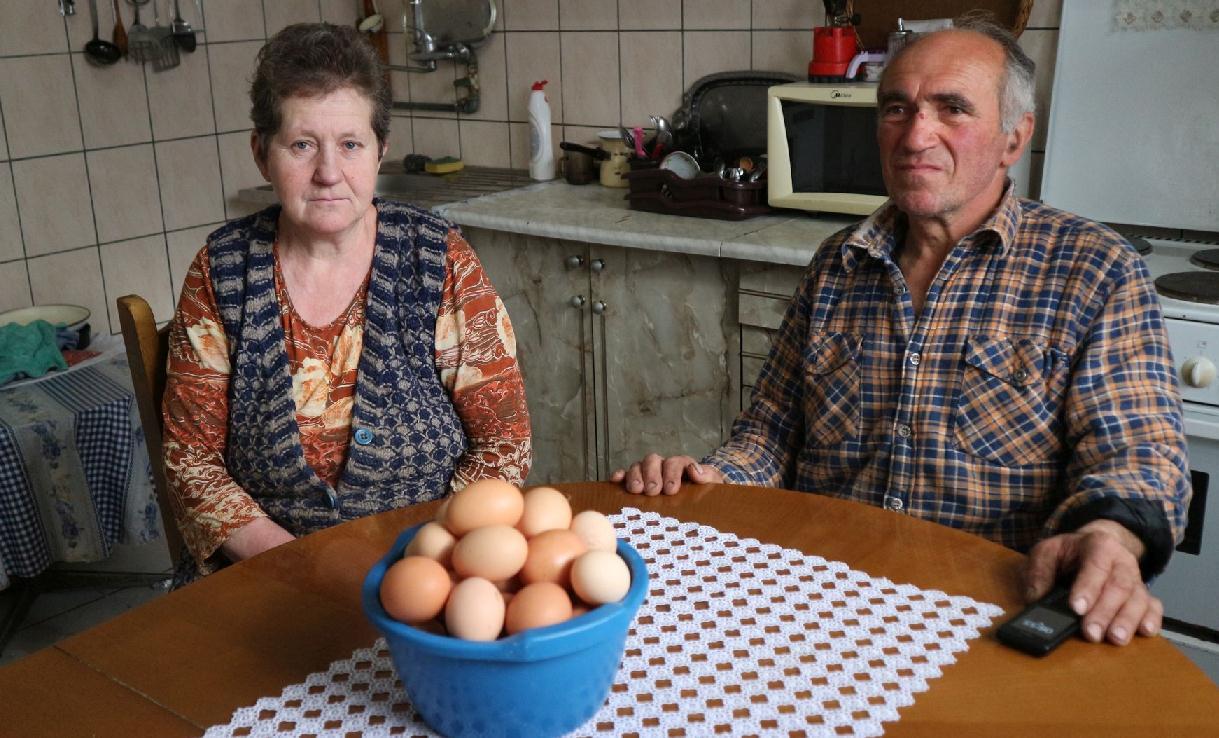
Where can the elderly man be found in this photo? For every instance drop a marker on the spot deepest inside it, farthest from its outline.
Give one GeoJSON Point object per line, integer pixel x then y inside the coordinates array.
{"type": "Point", "coordinates": [973, 358]}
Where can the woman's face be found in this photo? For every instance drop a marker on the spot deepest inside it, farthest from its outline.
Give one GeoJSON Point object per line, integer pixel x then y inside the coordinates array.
{"type": "Point", "coordinates": [323, 162]}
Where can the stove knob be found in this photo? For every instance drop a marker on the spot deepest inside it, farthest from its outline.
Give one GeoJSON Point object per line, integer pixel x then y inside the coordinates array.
{"type": "Point", "coordinates": [1198, 371]}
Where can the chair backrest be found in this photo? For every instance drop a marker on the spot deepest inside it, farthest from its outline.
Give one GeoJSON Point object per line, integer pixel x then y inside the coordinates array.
{"type": "Point", "coordinates": [147, 353]}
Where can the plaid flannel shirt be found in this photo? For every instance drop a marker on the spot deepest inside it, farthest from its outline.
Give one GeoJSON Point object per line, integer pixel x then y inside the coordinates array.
{"type": "Point", "coordinates": [1035, 386]}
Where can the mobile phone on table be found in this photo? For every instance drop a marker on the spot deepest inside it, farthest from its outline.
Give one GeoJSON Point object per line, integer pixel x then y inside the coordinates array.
{"type": "Point", "coordinates": [1041, 626]}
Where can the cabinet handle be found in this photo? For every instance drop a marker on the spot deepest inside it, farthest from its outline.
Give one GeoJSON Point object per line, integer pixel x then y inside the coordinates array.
{"type": "Point", "coordinates": [599, 307]}
{"type": "Point", "coordinates": [577, 301]}
{"type": "Point", "coordinates": [575, 261]}
{"type": "Point", "coordinates": [596, 264]}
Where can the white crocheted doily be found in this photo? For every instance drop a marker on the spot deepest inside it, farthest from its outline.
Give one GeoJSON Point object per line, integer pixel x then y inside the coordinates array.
{"type": "Point", "coordinates": [735, 637]}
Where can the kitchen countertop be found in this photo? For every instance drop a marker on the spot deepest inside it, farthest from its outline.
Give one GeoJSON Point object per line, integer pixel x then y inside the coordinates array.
{"type": "Point", "coordinates": [504, 200]}
{"type": "Point", "coordinates": [598, 214]}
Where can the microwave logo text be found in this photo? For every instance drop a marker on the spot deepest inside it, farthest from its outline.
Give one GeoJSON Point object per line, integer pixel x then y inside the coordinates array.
{"type": "Point", "coordinates": [840, 95]}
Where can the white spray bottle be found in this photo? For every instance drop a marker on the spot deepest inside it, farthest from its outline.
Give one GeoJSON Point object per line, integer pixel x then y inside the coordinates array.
{"type": "Point", "coordinates": [541, 150]}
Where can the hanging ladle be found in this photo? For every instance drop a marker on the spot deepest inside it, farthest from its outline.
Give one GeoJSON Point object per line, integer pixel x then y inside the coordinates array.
{"type": "Point", "coordinates": [184, 35]}
{"type": "Point", "coordinates": [98, 51]}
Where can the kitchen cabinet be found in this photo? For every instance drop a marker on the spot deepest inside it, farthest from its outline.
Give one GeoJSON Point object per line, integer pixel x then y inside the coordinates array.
{"type": "Point", "coordinates": [624, 351]}
{"type": "Point", "coordinates": [764, 291]}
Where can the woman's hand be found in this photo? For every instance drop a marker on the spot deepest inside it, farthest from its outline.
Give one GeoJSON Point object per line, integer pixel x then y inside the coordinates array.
{"type": "Point", "coordinates": [656, 474]}
{"type": "Point", "coordinates": [253, 538]}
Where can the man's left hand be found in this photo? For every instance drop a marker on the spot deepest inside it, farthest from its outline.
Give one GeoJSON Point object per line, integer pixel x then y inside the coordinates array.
{"type": "Point", "coordinates": [1108, 591]}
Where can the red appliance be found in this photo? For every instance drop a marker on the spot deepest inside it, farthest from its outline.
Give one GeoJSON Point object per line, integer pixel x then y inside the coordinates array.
{"type": "Point", "coordinates": [833, 49]}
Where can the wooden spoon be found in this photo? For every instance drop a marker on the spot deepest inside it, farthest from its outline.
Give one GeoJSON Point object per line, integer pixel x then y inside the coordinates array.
{"type": "Point", "coordinates": [119, 38]}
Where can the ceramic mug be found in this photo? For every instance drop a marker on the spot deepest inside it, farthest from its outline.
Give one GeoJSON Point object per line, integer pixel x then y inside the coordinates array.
{"type": "Point", "coordinates": [617, 164]}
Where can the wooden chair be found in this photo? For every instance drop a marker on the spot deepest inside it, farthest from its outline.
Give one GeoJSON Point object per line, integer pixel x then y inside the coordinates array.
{"type": "Point", "coordinates": [147, 353]}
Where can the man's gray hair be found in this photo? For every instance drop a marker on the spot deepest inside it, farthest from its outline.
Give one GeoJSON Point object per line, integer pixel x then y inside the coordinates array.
{"type": "Point", "coordinates": [1017, 86]}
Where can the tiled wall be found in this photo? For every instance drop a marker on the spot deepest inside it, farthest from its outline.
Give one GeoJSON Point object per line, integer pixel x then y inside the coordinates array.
{"type": "Point", "coordinates": [111, 177]}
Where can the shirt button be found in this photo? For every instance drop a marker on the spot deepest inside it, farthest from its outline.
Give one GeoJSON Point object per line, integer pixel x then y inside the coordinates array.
{"type": "Point", "coordinates": [915, 359]}
{"type": "Point", "coordinates": [363, 436]}
{"type": "Point", "coordinates": [893, 503]}
{"type": "Point", "coordinates": [1020, 375]}
{"type": "Point", "coordinates": [903, 430]}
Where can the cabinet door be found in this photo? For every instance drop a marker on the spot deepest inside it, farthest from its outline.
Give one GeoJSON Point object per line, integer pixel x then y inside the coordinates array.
{"type": "Point", "coordinates": [662, 324]}
{"type": "Point", "coordinates": [537, 278]}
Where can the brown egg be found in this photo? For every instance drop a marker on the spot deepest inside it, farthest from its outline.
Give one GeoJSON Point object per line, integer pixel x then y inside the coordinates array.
{"type": "Point", "coordinates": [434, 541]}
{"type": "Point", "coordinates": [545, 508]}
{"type": "Point", "coordinates": [537, 605]}
{"type": "Point", "coordinates": [475, 610]}
{"type": "Point", "coordinates": [414, 589]}
{"type": "Point", "coordinates": [599, 577]}
{"type": "Point", "coordinates": [550, 555]}
{"type": "Point", "coordinates": [595, 530]}
{"type": "Point", "coordinates": [482, 503]}
{"type": "Point", "coordinates": [493, 552]}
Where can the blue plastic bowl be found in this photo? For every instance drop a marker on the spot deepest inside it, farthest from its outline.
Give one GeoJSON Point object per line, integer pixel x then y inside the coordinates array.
{"type": "Point", "coordinates": [540, 682]}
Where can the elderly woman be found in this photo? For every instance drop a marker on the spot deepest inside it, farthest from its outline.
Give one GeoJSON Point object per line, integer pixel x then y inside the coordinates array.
{"type": "Point", "coordinates": [338, 354]}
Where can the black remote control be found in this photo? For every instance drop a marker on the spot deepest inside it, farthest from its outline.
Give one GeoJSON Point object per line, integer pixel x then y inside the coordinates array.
{"type": "Point", "coordinates": [1041, 626]}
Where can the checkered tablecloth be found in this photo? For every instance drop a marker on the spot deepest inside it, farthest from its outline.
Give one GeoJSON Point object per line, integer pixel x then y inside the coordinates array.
{"type": "Point", "coordinates": [736, 637]}
{"type": "Point", "coordinates": [74, 472]}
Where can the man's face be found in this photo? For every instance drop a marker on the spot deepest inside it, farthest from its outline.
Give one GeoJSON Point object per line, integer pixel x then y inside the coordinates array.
{"type": "Point", "coordinates": [943, 152]}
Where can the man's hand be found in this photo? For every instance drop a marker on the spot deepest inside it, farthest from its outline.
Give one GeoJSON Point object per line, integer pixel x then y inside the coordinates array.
{"type": "Point", "coordinates": [656, 474]}
{"type": "Point", "coordinates": [253, 538]}
{"type": "Point", "coordinates": [1108, 592]}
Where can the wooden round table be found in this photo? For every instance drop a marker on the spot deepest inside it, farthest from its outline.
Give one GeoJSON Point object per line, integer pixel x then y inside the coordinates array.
{"type": "Point", "coordinates": [185, 662]}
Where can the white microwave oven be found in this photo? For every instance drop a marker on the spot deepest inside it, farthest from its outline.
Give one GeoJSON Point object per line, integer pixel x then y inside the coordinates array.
{"type": "Point", "coordinates": [821, 149]}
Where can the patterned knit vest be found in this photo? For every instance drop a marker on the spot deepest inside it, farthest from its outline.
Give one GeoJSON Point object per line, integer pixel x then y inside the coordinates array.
{"type": "Point", "coordinates": [406, 435]}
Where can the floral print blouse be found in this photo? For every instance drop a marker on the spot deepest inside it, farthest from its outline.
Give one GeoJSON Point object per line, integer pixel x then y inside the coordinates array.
{"type": "Point", "coordinates": [475, 359]}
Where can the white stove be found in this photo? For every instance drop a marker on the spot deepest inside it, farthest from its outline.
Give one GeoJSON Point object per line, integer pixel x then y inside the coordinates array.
{"type": "Point", "coordinates": [1190, 585]}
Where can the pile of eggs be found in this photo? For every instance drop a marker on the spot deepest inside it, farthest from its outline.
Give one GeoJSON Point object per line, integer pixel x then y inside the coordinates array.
{"type": "Point", "coordinates": [496, 561]}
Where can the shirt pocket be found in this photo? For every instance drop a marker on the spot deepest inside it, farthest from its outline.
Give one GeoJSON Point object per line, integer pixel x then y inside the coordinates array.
{"type": "Point", "coordinates": [1007, 410]}
{"type": "Point", "coordinates": [831, 389]}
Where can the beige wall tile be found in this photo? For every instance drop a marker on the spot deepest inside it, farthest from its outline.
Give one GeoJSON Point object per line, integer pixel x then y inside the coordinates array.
{"type": "Point", "coordinates": [649, 15]}
{"type": "Point", "coordinates": [651, 75]}
{"type": "Point", "coordinates": [707, 52]}
{"type": "Point", "coordinates": [14, 286]}
{"type": "Point", "coordinates": [53, 199]}
{"type": "Point", "coordinates": [347, 13]}
{"type": "Point", "coordinates": [1046, 14]}
{"type": "Point", "coordinates": [400, 142]}
{"type": "Point", "coordinates": [590, 76]}
{"type": "Point", "coordinates": [140, 267]}
{"type": "Point", "coordinates": [113, 103]}
{"type": "Point", "coordinates": [282, 13]}
{"type": "Point", "coordinates": [180, 100]}
{"type": "Point", "coordinates": [233, 20]}
{"type": "Point", "coordinates": [788, 14]}
{"type": "Point", "coordinates": [436, 87]}
{"type": "Point", "coordinates": [72, 277]}
{"type": "Point", "coordinates": [126, 202]}
{"type": "Point", "coordinates": [237, 171]}
{"type": "Point", "coordinates": [533, 57]}
{"type": "Point", "coordinates": [782, 51]}
{"type": "Point", "coordinates": [530, 15]}
{"type": "Point", "coordinates": [588, 15]}
{"type": "Point", "coordinates": [586, 135]}
{"type": "Point", "coordinates": [31, 28]}
{"type": "Point", "coordinates": [40, 114]}
{"type": "Point", "coordinates": [492, 80]}
{"type": "Point", "coordinates": [436, 138]}
{"type": "Point", "coordinates": [232, 66]}
{"type": "Point", "coordinates": [1041, 46]}
{"type": "Point", "coordinates": [189, 170]}
{"type": "Point", "coordinates": [183, 246]}
{"type": "Point", "coordinates": [484, 144]}
{"type": "Point", "coordinates": [717, 14]}
{"type": "Point", "coordinates": [10, 226]}
{"type": "Point", "coordinates": [399, 82]}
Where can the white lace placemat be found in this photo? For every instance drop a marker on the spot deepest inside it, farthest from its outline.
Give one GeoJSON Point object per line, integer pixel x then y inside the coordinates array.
{"type": "Point", "coordinates": [735, 636]}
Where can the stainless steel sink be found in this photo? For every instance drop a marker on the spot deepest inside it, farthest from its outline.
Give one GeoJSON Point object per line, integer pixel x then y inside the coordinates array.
{"type": "Point", "coordinates": [425, 190]}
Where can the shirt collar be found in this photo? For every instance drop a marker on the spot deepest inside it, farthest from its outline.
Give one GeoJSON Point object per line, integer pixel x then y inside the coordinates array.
{"type": "Point", "coordinates": [878, 234]}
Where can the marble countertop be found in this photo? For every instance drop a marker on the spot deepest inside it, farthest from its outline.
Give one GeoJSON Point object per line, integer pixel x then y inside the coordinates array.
{"type": "Point", "coordinates": [596, 214]}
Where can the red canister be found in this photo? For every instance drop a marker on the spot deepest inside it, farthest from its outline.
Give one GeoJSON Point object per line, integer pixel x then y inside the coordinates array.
{"type": "Point", "coordinates": [833, 49]}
